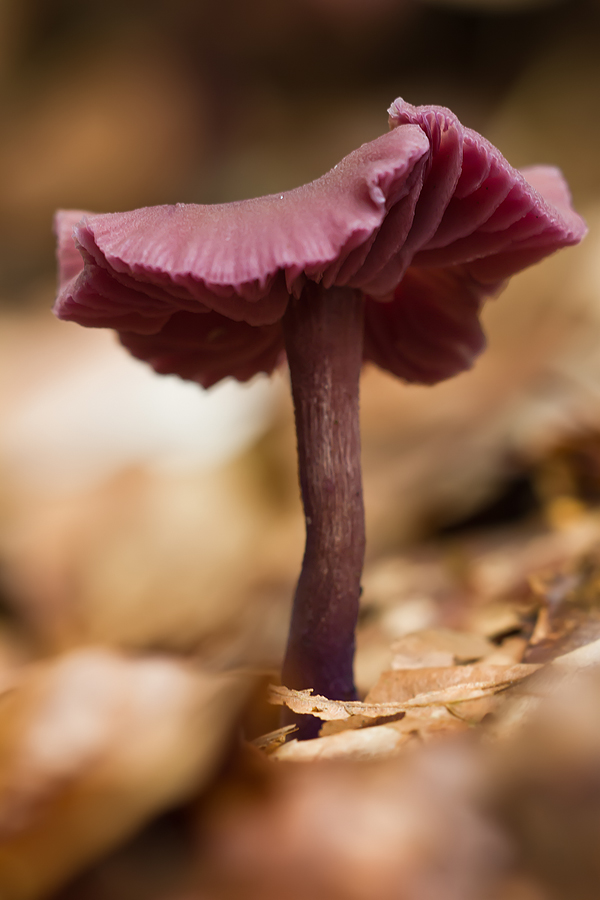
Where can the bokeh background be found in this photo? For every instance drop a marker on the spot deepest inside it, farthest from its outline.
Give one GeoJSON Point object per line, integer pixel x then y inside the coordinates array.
{"type": "Point", "coordinates": [141, 513]}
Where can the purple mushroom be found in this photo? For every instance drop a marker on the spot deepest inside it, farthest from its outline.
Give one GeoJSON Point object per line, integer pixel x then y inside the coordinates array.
{"type": "Point", "coordinates": [387, 258]}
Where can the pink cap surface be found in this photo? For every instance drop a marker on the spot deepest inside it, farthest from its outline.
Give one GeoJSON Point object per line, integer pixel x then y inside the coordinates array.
{"type": "Point", "coordinates": [427, 221]}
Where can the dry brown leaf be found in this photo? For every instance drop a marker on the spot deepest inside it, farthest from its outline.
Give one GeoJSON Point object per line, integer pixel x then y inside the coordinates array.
{"type": "Point", "coordinates": [97, 566]}
{"type": "Point", "coordinates": [422, 687]}
{"type": "Point", "coordinates": [408, 580]}
{"type": "Point", "coordinates": [505, 566]}
{"type": "Point", "coordinates": [305, 702]}
{"type": "Point", "coordinates": [495, 619]}
{"type": "Point", "coordinates": [438, 647]}
{"type": "Point", "coordinates": [99, 524]}
{"type": "Point", "coordinates": [365, 741]}
{"type": "Point", "coordinates": [373, 656]}
{"type": "Point", "coordinates": [463, 683]}
{"type": "Point", "coordinates": [508, 653]}
{"type": "Point", "coordinates": [424, 720]}
{"type": "Point", "coordinates": [93, 744]}
{"type": "Point", "coordinates": [473, 701]}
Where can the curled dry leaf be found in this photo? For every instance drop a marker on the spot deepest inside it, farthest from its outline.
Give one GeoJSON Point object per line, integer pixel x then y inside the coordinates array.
{"type": "Point", "coordinates": [307, 703]}
{"type": "Point", "coordinates": [91, 746]}
{"type": "Point", "coordinates": [389, 696]}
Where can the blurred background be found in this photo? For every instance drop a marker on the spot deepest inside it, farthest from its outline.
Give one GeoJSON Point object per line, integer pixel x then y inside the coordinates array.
{"type": "Point", "coordinates": [141, 513]}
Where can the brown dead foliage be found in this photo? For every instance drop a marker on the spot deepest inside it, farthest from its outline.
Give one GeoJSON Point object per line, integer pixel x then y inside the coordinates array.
{"type": "Point", "coordinates": [92, 745]}
{"type": "Point", "coordinates": [394, 830]}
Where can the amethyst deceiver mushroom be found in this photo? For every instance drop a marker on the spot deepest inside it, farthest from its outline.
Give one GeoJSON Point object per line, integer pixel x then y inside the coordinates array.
{"type": "Point", "coordinates": [388, 258]}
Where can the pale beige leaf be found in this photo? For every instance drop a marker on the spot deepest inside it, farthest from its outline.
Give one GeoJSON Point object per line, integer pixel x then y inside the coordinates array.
{"type": "Point", "coordinates": [94, 743]}
{"type": "Point", "coordinates": [438, 647]}
{"type": "Point", "coordinates": [402, 828]}
{"type": "Point", "coordinates": [581, 658]}
{"type": "Point", "coordinates": [377, 742]}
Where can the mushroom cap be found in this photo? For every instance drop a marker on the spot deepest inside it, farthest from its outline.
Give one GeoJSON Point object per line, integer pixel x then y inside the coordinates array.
{"type": "Point", "coordinates": [427, 221]}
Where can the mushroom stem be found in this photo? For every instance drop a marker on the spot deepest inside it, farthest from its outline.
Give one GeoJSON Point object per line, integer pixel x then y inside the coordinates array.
{"type": "Point", "coordinates": [323, 331]}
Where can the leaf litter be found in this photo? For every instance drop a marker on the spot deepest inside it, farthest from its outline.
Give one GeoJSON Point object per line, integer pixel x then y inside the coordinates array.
{"type": "Point", "coordinates": [84, 769]}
